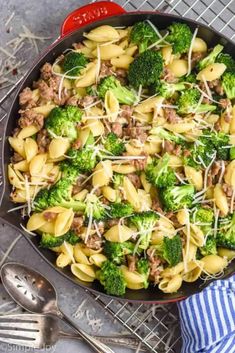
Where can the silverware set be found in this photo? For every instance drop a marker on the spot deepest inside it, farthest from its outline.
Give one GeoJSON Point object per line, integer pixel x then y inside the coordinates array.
{"type": "Point", "coordinates": [40, 329]}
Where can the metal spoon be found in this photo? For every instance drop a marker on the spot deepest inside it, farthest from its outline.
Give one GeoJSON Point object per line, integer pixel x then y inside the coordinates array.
{"type": "Point", "coordinates": [35, 293]}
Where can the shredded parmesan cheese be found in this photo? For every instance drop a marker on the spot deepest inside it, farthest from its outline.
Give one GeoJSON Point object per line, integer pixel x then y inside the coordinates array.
{"type": "Point", "coordinates": [9, 250]}
{"type": "Point", "coordinates": [190, 52]}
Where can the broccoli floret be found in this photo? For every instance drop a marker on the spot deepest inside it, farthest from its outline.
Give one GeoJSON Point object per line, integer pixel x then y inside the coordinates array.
{"type": "Point", "coordinates": [143, 35]}
{"type": "Point", "coordinates": [119, 210]}
{"type": "Point", "coordinates": [205, 148]}
{"type": "Point", "coordinates": [226, 232]}
{"type": "Point", "coordinates": [172, 250]}
{"type": "Point", "coordinates": [210, 247]}
{"type": "Point", "coordinates": [117, 180]}
{"type": "Point", "coordinates": [91, 91]}
{"type": "Point", "coordinates": [191, 78]}
{"type": "Point", "coordinates": [220, 141]}
{"type": "Point", "coordinates": [159, 173]}
{"type": "Point", "coordinates": [112, 279]}
{"type": "Point", "coordinates": [60, 195]}
{"type": "Point", "coordinates": [144, 269]}
{"type": "Point", "coordinates": [177, 197]}
{"type": "Point", "coordinates": [188, 103]}
{"type": "Point", "coordinates": [180, 37]}
{"type": "Point", "coordinates": [144, 222]}
{"type": "Point", "coordinates": [166, 135]}
{"type": "Point", "coordinates": [203, 215]}
{"type": "Point", "coordinates": [166, 89]}
{"type": "Point", "coordinates": [69, 171]}
{"type": "Point", "coordinates": [114, 144]}
{"type": "Point", "coordinates": [73, 63]}
{"type": "Point", "coordinates": [116, 252]}
{"type": "Point", "coordinates": [62, 121]}
{"type": "Point", "coordinates": [111, 83]}
{"type": "Point", "coordinates": [40, 202]}
{"type": "Point", "coordinates": [94, 208]}
{"type": "Point", "coordinates": [51, 241]}
{"type": "Point", "coordinates": [71, 237]}
{"type": "Point", "coordinates": [228, 84]}
{"type": "Point", "coordinates": [200, 154]}
{"type": "Point", "coordinates": [227, 60]}
{"type": "Point", "coordinates": [210, 58]}
{"type": "Point", "coordinates": [83, 160]}
{"type": "Point", "coordinates": [146, 69]}
{"type": "Point", "coordinates": [232, 153]}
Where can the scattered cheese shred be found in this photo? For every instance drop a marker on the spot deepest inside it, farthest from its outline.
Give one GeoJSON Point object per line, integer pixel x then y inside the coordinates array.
{"type": "Point", "coordinates": [190, 52]}
{"type": "Point", "coordinates": [9, 19]}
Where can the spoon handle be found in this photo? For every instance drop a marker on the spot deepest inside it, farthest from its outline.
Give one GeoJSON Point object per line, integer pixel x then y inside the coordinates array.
{"type": "Point", "coordinates": [97, 346]}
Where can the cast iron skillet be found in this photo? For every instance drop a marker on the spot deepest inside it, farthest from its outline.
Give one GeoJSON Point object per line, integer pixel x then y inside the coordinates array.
{"type": "Point", "coordinates": [84, 19]}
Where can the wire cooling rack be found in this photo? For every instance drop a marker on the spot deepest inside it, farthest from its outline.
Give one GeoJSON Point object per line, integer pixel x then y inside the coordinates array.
{"type": "Point", "coordinates": [156, 326]}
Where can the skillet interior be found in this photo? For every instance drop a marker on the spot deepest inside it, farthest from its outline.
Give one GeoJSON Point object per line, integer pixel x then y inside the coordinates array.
{"type": "Point", "coordinates": [161, 21]}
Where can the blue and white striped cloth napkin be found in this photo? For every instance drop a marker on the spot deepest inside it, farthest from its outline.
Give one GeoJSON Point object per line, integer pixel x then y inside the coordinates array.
{"type": "Point", "coordinates": [208, 319]}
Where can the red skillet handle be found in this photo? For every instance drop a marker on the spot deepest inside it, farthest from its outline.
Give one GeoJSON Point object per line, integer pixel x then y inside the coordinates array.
{"type": "Point", "coordinates": [88, 14]}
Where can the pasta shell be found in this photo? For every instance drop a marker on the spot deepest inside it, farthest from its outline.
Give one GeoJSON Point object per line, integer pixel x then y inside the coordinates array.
{"type": "Point", "coordinates": [211, 72]}
{"type": "Point", "coordinates": [18, 145]}
{"type": "Point", "coordinates": [227, 253]}
{"type": "Point", "coordinates": [88, 76]}
{"type": "Point", "coordinates": [130, 193]}
{"type": "Point", "coordinates": [31, 148]}
{"type": "Point", "coordinates": [58, 147]}
{"type": "Point", "coordinates": [97, 259]}
{"type": "Point", "coordinates": [96, 127]}
{"type": "Point", "coordinates": [14, 178]}
{"type": "Point", "coordinates": [122, 61]}
{"type": "Point", "coordinates": [167, 54]}
{"type": "Point", "coordinates": [170, 285]}
{"type": "Point", "coordinates": [144, 200]}
{"type": "Point", "coordinates": [83, 272]}
{"type": "Point", "coordinates": [180, 127]}
{"type": "Point", "coordinates": [199, 46]}
{"type": "Point", "coordinates": [37, 163]}
{"type": "Point", "coordinates": [44, 109]}
{"type": "Point", "coordinates": [221, 199]}
{"type": "Point", "coordinates": [144, 182]}
{"type": "Point", "coordinates": [109, 51]}
{"type": "Point", "coordinates": [232, 122]}
{"type": "Point", "coordinates": [79, 255]}
{"type": "Point", "coordinates": [123, 168]}
{"type": "Point", "coordinates": [103, 174]}
{"type": "Point", "coordinates": [229, 175]}
{"type": "Point", "coordinates": [194, 177]}
{"type": "Point", "coordinates": [149, 105]}
{"type": "Point", "coordinates": [109, 193]}
{"type": "Point", "coordinates": [35, 221]}
{"type": "Point", "coordinates": [83, 135]}
{"type": "Point", "coordinates": [63, 260]}
{"type": "Point", "coordinates": [111, 105]}
{"type": "Point", "coordinates": [20, 196]}
{"type": "Point", "coordinates": [179, 67]}
{"type": "Point", "coordinates": [172, 271]}
{"type": "Point", "coordinates": [48, 227]}
{"type": "Point", "coordinates": [28, 131]}
{"type": "Point", "coordinates": [63, 222]}
{"type": "Point", "coordinates": [119, 233]}
{"type": "Point", "coordinates": [194, 270]}
{"type": "Point", "coordinates": [131, 50]}
{"type": "Point", "coordinates": [134, 280]}
{"type": "Point", "coordinates": [102, 34]}
{"type": "Point", "coordinates": [80, 196]}
{"type": "Point", "coordinates": [22, 166]}
{"type": "Point", "coordinates": [214, 264]}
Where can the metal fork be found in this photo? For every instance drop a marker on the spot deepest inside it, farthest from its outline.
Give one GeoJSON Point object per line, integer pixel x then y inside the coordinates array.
{"type": "Point", "coordinates": [42, 331]}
